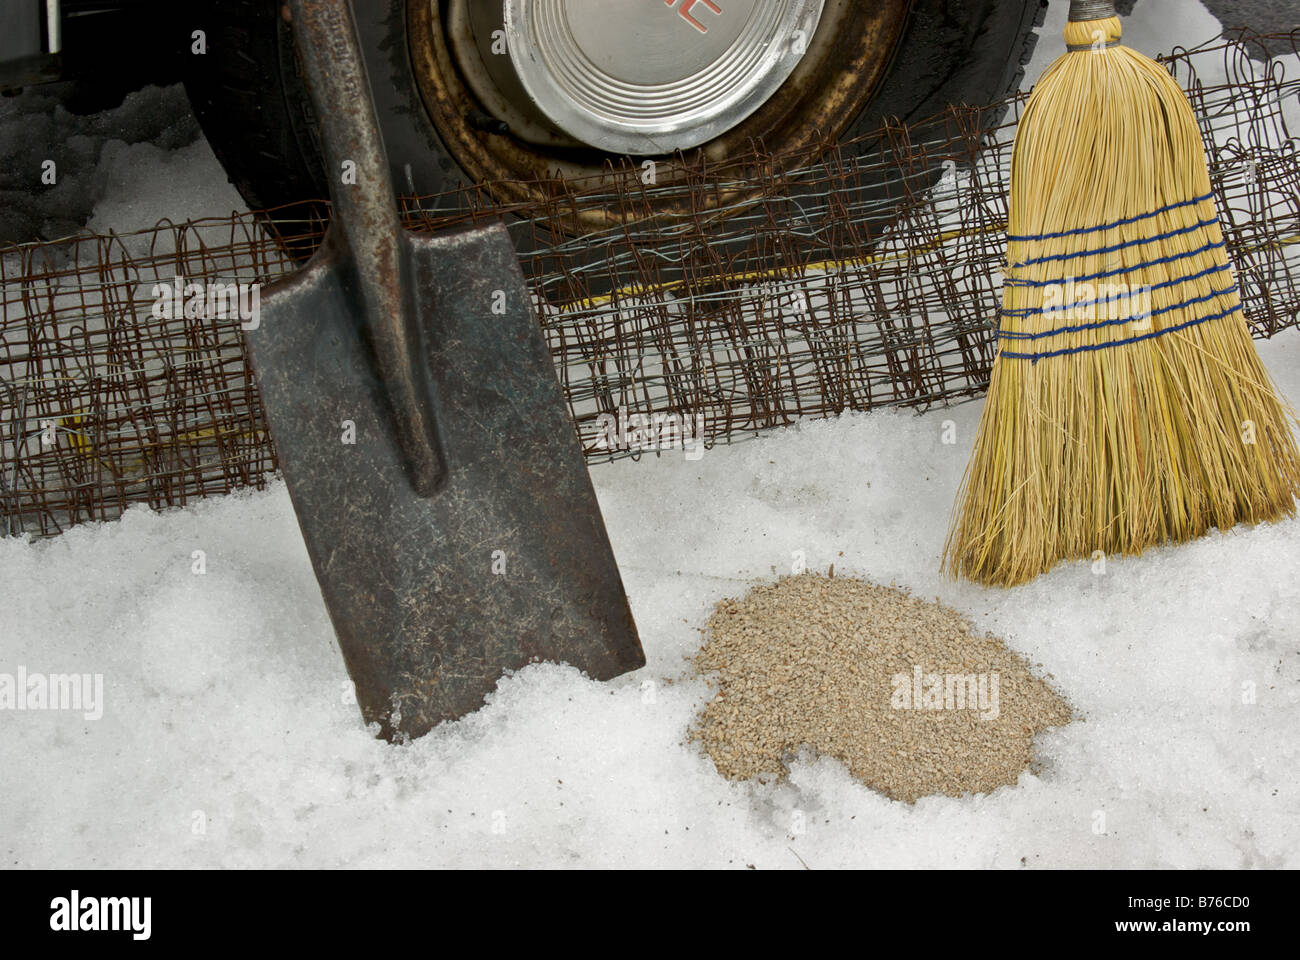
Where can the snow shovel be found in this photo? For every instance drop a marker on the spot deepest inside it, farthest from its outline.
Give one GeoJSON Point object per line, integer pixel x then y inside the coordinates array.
{"type": "Point", "coordinates": [424, 440]}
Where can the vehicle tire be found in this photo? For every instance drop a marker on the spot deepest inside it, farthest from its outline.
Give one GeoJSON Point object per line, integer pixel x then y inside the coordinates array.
{"type": "Point", "coordinates": [249, 97]}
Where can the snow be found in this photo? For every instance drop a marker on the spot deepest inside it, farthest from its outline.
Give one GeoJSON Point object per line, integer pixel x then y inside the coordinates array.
{"type": "Point", "coordinates": [229, 737]}
{"type": "Point", "coordinates": [144, 185]}
{"type": "Point", "coordinates": [226, 700]}
{"type": "Point", "coordinates": [93, 157]}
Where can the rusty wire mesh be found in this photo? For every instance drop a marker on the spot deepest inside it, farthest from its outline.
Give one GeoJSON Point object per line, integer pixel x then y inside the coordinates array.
{"type": "Point", "coordinates": [749, 294]}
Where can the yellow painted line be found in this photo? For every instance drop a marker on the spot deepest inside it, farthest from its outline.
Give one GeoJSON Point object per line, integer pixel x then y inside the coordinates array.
{"type": "Point", "coordinates": [635, 290]}
{"type": "Point", "coordinates": [83, 449]}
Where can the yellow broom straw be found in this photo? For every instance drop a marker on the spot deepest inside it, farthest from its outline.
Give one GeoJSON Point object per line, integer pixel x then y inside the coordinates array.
{"type": "Point", "coordinates": [1127, 406]}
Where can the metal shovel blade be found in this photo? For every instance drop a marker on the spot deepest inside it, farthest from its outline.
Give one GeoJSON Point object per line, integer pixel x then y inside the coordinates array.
{"type": "Point", "coordinates": [425, 442]}
{"type": "Point", "coordinates": [433, 598]}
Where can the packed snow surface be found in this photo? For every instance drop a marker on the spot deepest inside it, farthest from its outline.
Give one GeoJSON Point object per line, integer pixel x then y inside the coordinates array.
{"type": "Point", "coordinates": [228, 736]}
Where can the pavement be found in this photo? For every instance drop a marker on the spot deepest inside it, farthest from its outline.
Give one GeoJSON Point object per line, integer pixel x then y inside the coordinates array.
{"type": "Point", "coordinates": [1264, 16]}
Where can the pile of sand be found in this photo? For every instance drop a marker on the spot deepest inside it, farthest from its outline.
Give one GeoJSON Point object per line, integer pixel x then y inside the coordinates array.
{"type": "Point", "coordinates": [901, 690]}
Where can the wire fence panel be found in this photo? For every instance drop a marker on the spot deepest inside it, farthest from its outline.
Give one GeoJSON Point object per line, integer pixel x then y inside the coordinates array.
{"type": "Point", "coordinates": [712, 299]}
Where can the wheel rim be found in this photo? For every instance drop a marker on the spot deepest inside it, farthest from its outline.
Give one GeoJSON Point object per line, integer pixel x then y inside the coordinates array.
{"type": "Point", "coordinates": [638, 77]}
{"type": "Point", "coordinates": [506, 141]}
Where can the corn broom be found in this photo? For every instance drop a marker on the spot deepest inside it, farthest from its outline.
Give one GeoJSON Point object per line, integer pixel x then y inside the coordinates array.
{"type": "Point", "coordinates": [1127, 406]}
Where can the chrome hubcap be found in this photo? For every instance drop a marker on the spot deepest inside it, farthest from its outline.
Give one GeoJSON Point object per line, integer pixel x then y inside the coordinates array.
{"type": "Point", "coordinates": [645, 76]}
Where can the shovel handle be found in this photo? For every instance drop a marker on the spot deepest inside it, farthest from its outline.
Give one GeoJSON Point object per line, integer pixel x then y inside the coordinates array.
{"type": "Point", "coordinates": [365, 215]}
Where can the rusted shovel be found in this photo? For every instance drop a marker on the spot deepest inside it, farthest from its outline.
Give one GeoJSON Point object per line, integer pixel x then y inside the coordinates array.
{"type": "Point", "coordinates": [437, 479]}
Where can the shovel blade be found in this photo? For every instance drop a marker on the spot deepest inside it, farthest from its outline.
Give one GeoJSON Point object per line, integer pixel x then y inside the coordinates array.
{"type": "Point", "coordinates": [434, 598]}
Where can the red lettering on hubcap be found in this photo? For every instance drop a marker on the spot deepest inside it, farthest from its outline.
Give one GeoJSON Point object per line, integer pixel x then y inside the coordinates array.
{"type": "Point", "coordinates": [688, 5]}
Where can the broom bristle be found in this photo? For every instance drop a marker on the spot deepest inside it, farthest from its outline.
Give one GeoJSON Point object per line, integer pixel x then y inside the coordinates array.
{"type": "Point", "coordinates": [1127, 406]}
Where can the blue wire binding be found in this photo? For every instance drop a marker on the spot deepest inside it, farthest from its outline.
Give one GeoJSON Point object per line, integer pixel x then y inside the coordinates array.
{"type": "Point", "coordinates": [1011, 281]}
{"type": "Point", "coordinates": [1198, 225]}
{"type": "Point", "coordinates": [1027, 312]}
{"type": "Point", "coordinates": [1023, 237]}
{"type": "Point", "coordinates": [1026, 335]}
{"type": "Point", "coordinates": [1035, 357]}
